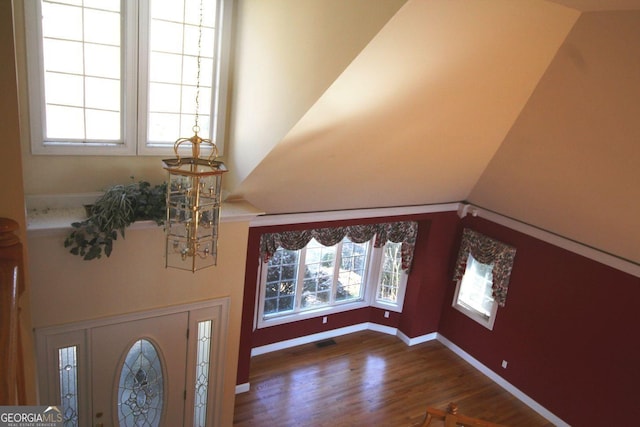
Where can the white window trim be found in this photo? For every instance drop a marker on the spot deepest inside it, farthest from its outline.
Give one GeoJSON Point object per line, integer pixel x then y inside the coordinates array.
{"type": "Point", "coordinates": [473, 314]}
{"type": "Point", "coordinates": [374, 280]}
{"type": "Point", "coordinates": [374, 262]}
{"type": "Point", "coordinates": [134, 120]}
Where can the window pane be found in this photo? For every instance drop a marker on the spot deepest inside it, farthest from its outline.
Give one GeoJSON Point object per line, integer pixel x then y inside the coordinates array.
{"type": "Point", "coordinates": [318, 276]}
{"type": "Point", "coordinates": [102, 61]}
{"type": "Point", "coordinates": [391, 273]}
{"type": "Point", "coordinates": [166, 36]}
{"type": "Point", "coordinates": [64, 56]}
{"type": "Point", "coordinates": [68, 375]}
{"type": "Point", "coordinates": [113, 5]}
{"type": "Point", "coordinates": [64, 89]}
{"type": "Point", "coordinates": [476, 287]}
{"type": "Point", "coordinates": [174, 47]}
{"type": "Point", "coordinates": [82, 68]}
{"type": "Point", "coordinates": [353, 262]}
{"type": "Point", "coordinates": [102, 125]}
{"type": "Point", "coordinates": [282, 271]}
{"type": "Point", "coordinates": [202, 374]}
{"type": "Point", "coordinates": [162, 127]}
{"type": "Point", "coordinates": [165, 68]}
{"type": "Point", "coordinates": [102, 27]}
{"type": "Point", "coordinates": [61, 21]}
{"type": "Point", "coordinates": [191, 35]}
{"type": "Point", "coordinates": [169, 10]}
{"type": "Point", "coordinates": [164, 98]}
{"type": "Point", "coordinates": [102, 94]}
{"type": "Point", "coordinates": [189, 75]}
{"type": "Point", "coordinates": [64, 122]}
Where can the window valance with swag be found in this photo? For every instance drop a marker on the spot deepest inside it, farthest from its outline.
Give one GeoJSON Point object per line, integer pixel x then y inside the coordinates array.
{"type": "Point", "coordinates": [487, 251]}
{"type": "Point", "coordinates": [404, 232]}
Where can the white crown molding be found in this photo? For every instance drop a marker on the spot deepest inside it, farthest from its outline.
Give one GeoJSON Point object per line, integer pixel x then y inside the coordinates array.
{"type": "Point", "coordinates": [301, 218]}
{"type": "Point", "coordinates": [602, 257]}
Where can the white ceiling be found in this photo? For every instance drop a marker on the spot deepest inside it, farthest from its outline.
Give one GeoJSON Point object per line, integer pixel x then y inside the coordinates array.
{"type": "Point", "coordinates": [528, 108]}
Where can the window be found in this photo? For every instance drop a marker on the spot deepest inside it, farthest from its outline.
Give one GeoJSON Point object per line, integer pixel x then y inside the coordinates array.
{"type": "Point", "coordinates": [120, 77]}
{"type": "Point", "coordinates": [474, 293]}
{"type": "Point", "coordinates": [319, 280]}
{"type": "Point", "coordinates": [68, 378]}
{"type": "Point", "coordinates": [392, 279]}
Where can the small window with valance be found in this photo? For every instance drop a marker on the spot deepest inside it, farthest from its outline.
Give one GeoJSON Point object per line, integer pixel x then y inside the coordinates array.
{"type": "Point", "coordinates": [482, 272]}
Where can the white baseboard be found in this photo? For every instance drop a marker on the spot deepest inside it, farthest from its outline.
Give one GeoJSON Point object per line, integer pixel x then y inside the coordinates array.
{"type": "Point", "coordinates": [503, 383]}
{"type": "Point", "coordinates": [243, 388]}
{"type": "Point", "coordinates": [324, 336]}
{"type": "Point", "coordinates": [382, 328]}
{"type": "Point", "coordinates": [308, 339]}
{"type": "Point", "coordinates": [417, 340]}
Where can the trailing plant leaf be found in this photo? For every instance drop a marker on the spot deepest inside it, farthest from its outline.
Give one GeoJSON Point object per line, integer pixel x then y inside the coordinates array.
{"type": "Point", "coordinates": [118, 208]}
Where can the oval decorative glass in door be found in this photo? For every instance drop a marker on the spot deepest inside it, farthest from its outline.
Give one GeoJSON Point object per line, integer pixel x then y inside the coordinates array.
{"type": "Point", "coordinates": [141, 387]}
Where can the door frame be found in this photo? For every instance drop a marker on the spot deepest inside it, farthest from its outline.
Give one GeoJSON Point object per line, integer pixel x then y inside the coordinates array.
{"type": "Point", "coordinates": [49, 339]}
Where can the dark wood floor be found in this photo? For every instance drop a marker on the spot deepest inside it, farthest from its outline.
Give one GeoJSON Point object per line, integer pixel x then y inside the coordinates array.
{"type": "Point", "coordinates": [370, 379]}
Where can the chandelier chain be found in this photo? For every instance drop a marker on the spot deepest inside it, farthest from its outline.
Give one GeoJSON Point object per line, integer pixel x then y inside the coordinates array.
{"type": "Point", "coordinates": [199, 59]}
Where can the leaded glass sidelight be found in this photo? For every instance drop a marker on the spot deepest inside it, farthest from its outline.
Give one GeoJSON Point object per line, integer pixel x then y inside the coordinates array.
{"type": "Point", "coordinates": [68, 376]}
{"type": "Point", "coordinates": [202, 374]}
{"type": "Point", "coordinates": [141, 387]}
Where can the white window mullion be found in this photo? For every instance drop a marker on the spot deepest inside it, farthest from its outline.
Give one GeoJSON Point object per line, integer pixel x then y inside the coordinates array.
{"type": "Point", "coordinates": [130, 69]}
{"type": "Point", "coordinates": [373, 276]}
{"type": "Point", "coordinates": [337, 260]}
{"type": "Point", "coordinates": [261, 294]}
{"type": "Point", "coordinates": [300, 282]}
{"type": "Point", "coordinates": [143, 20]}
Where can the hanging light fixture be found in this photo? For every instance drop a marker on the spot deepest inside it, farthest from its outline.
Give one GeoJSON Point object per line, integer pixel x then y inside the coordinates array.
{"type": "Point", "coordinates": [193, 198]}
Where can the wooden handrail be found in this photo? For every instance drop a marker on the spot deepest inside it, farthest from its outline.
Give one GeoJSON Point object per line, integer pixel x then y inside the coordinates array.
{"type": "Point", "coordinates": [12, 384]}
{"type": "Point", "coordinates": [451, 418]}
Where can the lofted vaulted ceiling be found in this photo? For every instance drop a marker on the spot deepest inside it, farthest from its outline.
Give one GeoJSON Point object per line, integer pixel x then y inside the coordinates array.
{"type": "Point", "coordinates": [527, 108]}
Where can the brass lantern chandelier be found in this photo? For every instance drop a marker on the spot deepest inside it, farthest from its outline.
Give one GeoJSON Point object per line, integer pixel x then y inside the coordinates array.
{"type": "Point", "coordinates": [193, 198]}
{"type": "Point", "coordinates": [193, 206]}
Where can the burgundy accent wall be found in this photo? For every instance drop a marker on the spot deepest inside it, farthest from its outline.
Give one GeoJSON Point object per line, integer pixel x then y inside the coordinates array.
{"type": "Point", "coordinates": [426, 283]}
{"type": "Point", "coordinates": [423, 300]}
{"type": "Point", "coordinates": [569, 331]}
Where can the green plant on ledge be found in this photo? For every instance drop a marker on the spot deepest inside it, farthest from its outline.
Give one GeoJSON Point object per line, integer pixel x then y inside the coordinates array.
{"type": "Point", "coordinates": [119, 207]}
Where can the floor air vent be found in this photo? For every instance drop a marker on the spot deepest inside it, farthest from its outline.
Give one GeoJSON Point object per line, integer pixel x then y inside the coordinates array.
{"type": "Point", "coordinates": [325, 343]}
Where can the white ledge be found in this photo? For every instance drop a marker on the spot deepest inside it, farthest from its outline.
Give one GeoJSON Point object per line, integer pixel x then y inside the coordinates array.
{"type": "Point", "coordinates": [48, 213]}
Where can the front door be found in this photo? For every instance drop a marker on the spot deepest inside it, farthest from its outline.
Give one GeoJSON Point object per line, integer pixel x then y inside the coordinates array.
{"type": "Point", "coordinates": [140, 369]}
{"type": "Point", "coordinates": [138, 372]}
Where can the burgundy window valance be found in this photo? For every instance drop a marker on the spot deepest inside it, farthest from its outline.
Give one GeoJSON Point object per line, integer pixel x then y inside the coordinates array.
{"type": "Point", "coordinates": [404, 232]}
{"type": "Point", "coordinates": [487, 251]}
